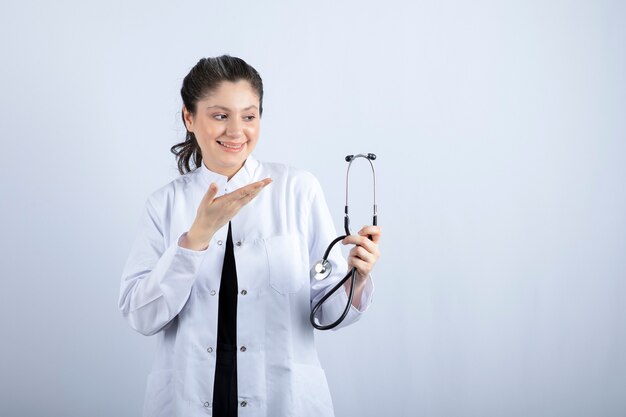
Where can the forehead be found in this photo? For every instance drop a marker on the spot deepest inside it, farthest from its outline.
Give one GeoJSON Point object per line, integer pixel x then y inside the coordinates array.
{"type": "Point", "coordinates": [235, 92]}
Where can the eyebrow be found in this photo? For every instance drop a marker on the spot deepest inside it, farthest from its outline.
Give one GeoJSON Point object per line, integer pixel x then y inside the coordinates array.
{"type": "Point", "coordinates": [227, 109]}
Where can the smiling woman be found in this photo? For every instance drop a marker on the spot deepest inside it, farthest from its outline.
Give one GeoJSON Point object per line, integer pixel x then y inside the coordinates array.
{"type": "Point", "coordinates": [220, 269]}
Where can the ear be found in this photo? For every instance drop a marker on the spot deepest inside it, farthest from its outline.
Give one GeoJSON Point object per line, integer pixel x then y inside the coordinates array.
{"type": "Point", "coordinates": [188, 118]}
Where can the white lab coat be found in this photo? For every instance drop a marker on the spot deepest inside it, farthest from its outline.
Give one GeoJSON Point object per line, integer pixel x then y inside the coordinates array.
{"type": "Point", "coordinates": [172, 292]}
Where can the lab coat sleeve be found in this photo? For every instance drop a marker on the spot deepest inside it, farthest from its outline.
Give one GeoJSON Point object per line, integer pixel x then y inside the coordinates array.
{"type": "Point", "coordinates": [321, 232]}
{"type": "Point", "coordinates": [157, 279]}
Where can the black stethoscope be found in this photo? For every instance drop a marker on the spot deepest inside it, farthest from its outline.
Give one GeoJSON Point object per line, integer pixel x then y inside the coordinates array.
{"type": "Point", "coordinates": [323, 268]}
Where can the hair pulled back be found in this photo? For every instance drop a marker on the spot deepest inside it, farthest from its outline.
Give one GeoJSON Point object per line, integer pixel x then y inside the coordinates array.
{"type": "Point", "coordinates": [203, 79]}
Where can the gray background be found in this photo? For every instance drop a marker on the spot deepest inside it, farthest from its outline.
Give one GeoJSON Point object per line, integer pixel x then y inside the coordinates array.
{"type": "Point", "coordinates": [501, 137]}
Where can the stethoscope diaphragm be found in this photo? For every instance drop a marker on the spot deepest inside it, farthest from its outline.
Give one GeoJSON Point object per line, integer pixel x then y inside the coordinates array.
{"type": "Point", "coordinates": [321, 270]}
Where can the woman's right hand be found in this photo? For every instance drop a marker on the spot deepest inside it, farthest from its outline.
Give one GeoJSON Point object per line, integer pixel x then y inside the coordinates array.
{"type": "Point", "coordinates": [213, 213]}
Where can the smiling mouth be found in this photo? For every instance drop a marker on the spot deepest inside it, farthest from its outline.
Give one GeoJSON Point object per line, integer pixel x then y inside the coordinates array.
{"type": "Point", "coordinates": [231, 145]}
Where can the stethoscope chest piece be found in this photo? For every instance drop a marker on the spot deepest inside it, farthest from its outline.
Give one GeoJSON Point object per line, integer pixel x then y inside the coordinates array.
{"type": "Point", "coordinates": [321, 270]}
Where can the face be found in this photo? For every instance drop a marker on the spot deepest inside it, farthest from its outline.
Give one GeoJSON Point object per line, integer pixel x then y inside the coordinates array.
{"type": "Point", "coordinates": [226, 125]}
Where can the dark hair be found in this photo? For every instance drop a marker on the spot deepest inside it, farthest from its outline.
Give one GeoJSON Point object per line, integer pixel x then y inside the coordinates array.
{"type": "Point", "coordinates": [202, 80]}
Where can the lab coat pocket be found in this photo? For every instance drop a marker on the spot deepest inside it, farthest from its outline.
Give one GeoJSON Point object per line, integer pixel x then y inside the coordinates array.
{"type": "Point", "coordinates": [287, 263]}
{"type": "Point", "coordinates": [159, 401]}
{"type": "Point", "coordinates": [311, 393]}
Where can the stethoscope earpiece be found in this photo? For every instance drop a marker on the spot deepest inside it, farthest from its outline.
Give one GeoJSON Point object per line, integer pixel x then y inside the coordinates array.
{"type": "Point", "coordinates": [370, 156]}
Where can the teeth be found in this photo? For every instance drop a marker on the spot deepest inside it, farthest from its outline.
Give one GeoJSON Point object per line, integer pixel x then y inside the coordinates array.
{"type": "Point", "coordinates": [230, 146]}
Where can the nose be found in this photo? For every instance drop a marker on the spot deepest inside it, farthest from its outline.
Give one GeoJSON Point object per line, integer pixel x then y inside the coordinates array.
{"type": "Point", "coordinates": [233, 129]}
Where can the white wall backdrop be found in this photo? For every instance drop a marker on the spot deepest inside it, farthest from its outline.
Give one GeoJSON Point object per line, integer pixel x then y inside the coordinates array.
{"type": "Point", "coordinates": [501, 138]}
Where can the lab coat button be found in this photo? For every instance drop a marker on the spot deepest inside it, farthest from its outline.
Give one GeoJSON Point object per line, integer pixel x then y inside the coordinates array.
{"type": "Point", "coordinates": [209, 349]}
{"type": "Point", "coordinates": [244, 403]}
{"type": "Point", "coordinates": [244, 292]}
{"type": "Point", "coordinates": [213, 292]}
{"type": "Point", "coordinates": [219, 242]}
{"type": "Point", "coordinates": [243, 349]}
{"type": "Point", "coordinates": [238, 243]}
{"type": "Point", "coordinates": [207, 404]}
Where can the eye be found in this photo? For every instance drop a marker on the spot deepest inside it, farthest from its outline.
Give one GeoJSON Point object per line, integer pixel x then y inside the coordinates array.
{"type": "Point", "coordinates": [249, 118]}
{"type": "Point", "coordinates": [219, 116]}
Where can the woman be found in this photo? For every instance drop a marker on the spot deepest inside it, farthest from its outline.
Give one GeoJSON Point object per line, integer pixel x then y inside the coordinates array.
{"type": "Point", "coordinates": [220, 269]}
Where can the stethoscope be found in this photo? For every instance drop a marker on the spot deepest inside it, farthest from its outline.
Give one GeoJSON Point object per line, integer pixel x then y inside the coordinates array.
{"type": "Point", "coordinates": [323, 268]}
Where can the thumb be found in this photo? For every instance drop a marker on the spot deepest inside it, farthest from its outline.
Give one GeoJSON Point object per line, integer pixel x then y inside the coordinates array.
{"type": "Point", "coordinates": [211, 192]}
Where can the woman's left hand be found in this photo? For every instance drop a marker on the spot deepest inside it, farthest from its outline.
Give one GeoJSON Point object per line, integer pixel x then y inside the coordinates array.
{"type": "Point", "coordinates": [365, 254]}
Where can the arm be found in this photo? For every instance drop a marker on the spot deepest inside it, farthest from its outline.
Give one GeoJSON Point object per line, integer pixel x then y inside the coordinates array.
{"type": "Point", "coordinates": [157, 280]}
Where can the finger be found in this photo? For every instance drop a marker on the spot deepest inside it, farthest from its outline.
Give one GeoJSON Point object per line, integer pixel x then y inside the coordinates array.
{"type": "Point", "coordinates": [369, 230]}
{"type": "Point", "coordinates": [210, 194]}
{"type": "Point", "coordinates": [373, 231]}
{"type": "Point", "coordinates": [370, 245]}
{"type": "Point", "coordinates": [361, 253]}
{"type": "Point", "coordinates": [246, 194]}
{"type": "Point", "coordinates": [370, 255]}
{"type": "Point", "coordinates": [246, 191]}
{"type": "Point", "coordinates": [249, 194]}
{"type": "Point", "coordinates": [256, 186]}
{"type": "Point", "coordinates": [362, 267]}
{"type": "Point", "coordinates": [231, 199]}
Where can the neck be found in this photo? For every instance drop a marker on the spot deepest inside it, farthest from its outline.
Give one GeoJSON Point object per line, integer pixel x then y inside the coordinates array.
{"type": "Point", "coordinates": [227, 172]}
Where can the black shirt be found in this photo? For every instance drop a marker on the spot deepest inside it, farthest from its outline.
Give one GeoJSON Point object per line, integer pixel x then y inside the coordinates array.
{"type": "Point", "coordinates": [227, 309]}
